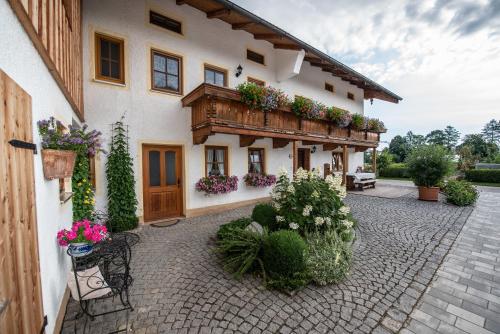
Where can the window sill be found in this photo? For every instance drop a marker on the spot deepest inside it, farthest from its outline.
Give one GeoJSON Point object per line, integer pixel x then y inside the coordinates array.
{"type": "Point", "coordinates": [165, 92]}
{"type": "Point", "coordinates": [65, 197]}
{"type": "Point", "coordinates": [109, 82]}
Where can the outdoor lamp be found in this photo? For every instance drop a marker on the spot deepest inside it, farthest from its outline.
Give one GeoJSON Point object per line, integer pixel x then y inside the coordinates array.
{"type": "Point", "coordinates": [239, 69]}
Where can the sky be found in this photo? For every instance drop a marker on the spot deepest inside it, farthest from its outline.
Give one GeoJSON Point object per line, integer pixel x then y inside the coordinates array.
{"type": "Point", "coordinates": [441, 56]}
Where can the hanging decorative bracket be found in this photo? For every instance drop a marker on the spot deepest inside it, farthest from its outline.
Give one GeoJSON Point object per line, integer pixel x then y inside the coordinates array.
{"type": "Point", "coordinates": [23, 144]}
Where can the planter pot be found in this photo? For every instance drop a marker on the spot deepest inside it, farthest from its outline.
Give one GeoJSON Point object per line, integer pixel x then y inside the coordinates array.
{"type": "Point", "coordinates": [58, 164]}
{"type": "Point", "coordinates": [428, 193]}
{"type": "Point", "coordinates": [79, 249]}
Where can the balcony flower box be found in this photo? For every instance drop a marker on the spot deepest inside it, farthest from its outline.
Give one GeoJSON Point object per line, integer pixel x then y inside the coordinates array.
{"type": "Point", "coordinates": [217, 184]}
{"type": "Point", "coordinates": [58, 164]}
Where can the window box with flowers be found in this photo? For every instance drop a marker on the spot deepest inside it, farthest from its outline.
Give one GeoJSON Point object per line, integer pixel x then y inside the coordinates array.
{"type": "Point", "coordinates": [217, 184]}
{"type": "Point", "coordinates": [259, 180]}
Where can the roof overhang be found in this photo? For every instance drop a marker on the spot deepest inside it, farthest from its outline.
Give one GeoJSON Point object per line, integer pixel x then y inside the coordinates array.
{"type": "Point", "coordinates": [242, 19]}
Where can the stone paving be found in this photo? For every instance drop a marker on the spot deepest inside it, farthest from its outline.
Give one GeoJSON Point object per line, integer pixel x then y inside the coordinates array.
{"type": "Point", "coordinates": [180, 287]}
{"type": "Point", "coordinates": [464, 296]}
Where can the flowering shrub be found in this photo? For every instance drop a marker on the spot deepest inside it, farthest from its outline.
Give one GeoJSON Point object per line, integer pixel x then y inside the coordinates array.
{"type": "Point", "coordinates": [308, 203]}
{"type": "Point", "coordinates": [76, 139]}
{"type": "Point", "coordinates": [217, 184]}
{"type": "Point", "coordinates": [83, 231]}
{"type": "Point", "coordinates": [308, 109]}
{"type": "Point", "coordinates": [258, 97]}
{"type": "Point", "coordinates": [259, 180]}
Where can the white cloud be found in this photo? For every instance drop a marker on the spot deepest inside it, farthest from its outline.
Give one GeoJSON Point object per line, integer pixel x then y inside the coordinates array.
{"type": "Point", "coordinates": [441, 56]}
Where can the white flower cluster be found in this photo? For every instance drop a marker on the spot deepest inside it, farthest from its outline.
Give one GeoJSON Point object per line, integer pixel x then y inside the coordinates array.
{"type": "Point", "coordinates": [318, 221]}
{"type": "Point", "coordinates": [347, 223]}
{"type": "Point", "coordinates": [307, 210]}
{"type": "Point", "coordinates": [280, 219]}
{"type": "Point", "coordinates": [301, 174]}
{"type": "Point", "coordinates": [282, 172]}
{"type": "Point", "coordinates": [276, 205]}
{"type": "Point", "coordinates": [328, 221]}
{"type": "Point", "coordinates": [276, 194]}
{"type": "Point", "coordinates": [290, 189]}
{"type": "Point", "coordinates": [315, 194]}
{"type": "Point", "coordinates": [293, 226]}
{"type": "Point", "coordinates": [335, 183]}
{"type": "Point", "coordinates": [344, 210]}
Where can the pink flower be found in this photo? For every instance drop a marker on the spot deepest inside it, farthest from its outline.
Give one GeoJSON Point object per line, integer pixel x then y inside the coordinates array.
{"type": "Point", "coordinates": [71, 235]}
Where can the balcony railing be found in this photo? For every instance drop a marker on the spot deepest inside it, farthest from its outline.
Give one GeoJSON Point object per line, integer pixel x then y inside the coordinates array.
{"type": "Point", "coordinates": [219, 110]}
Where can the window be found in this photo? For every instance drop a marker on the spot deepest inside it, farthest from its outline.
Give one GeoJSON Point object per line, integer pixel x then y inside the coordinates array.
{"type": "Point", "coordinates": [256, 81]}
{"type": "Point", "coordinates": [165, 22]}
{"type": "Point", "coordinates": [329, 87]}
{"type": "Point", "coordinates": [109, 59]}
{"type": "Point", "coordinates": [166, 72]}
{"type": "Point", "coordinates": [215, 76]}
{"type": "Point", "coordinates": [256, 160]}
{"type": "Point", "coordinates": [216, 160]}
{"type": "Point", "coordinates": [350, 96]}
{"type": "Point", "coordinates": [255, 57]}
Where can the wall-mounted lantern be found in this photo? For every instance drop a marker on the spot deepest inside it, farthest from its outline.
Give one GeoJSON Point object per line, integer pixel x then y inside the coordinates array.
{"type": "Point", "coordinates": [239, 69]}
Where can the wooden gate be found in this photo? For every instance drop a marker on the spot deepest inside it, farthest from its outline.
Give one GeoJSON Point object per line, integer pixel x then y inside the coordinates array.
{"type": "Point", "coordinates": [21, 308]}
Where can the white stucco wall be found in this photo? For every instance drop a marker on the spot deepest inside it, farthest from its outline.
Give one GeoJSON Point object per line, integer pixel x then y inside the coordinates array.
{"type": "Point", "coordinates": [20, 60]}
{"type": "Point", "coordinates": [159, 118]}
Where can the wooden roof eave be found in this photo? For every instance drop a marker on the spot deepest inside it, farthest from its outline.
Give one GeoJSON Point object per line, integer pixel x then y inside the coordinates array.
{"type": "Point", "coordinates": [241, 19]}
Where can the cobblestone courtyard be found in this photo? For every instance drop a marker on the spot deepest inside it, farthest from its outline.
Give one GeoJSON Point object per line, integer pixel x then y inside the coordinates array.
{"type": "Point", "coordinates": [180, 288]}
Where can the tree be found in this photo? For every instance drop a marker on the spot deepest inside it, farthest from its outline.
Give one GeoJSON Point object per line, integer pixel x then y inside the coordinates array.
{"type": "Point", "coordinates": [122, 201]}
{"type": "Point", "coordinates": [384, 159]}
{"type": "Point", "coordinates": [479, 146]}
{"type": "Point", "coordinates": [398, 147]}
{"type": "Point", "coordinates": [436, 137]}
{"type": "Point", "coordinates": [414, 140]}
{"type": "Point", "coordinates": [451, 137]}
{"type": "Point", "coordinates": [491, 131]}
{"type": "Point", "coordinates": [466, 159]}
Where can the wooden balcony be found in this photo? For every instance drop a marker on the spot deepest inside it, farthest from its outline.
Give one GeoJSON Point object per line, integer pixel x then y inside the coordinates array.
{"type": "Point", "coordinates": [219, 110]}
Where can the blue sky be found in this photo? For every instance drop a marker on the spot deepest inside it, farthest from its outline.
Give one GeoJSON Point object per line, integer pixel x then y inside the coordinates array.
{"type": "Point", "coordinates": [441, 56]}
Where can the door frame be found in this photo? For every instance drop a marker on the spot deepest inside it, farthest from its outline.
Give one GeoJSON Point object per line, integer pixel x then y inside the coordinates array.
{"type": "Point", "coordinates": [307, 151]}
{"type": "Point", "coordinates": [143, 184]}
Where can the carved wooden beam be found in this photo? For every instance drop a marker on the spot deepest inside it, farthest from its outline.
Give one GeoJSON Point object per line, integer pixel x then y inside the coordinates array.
{"type": "Point", "coordinates": [247, 140]}
{"type": "Point", "coordinates": [268, 36]}
{"type": "Point", "coordinates": [218, 13]}
{"type": "Point", "coordinates": [360, 149]}
{"type": "Point", "coordinates": [330, 147]}
{"type": "Point", "coordinates": [280, 142]}
{"type": "Point", "coordinates": [201, 135]}
{"type": "Point", "coordinates": [310, 142]}
{"type": "Point", "coordinates": [287, 46]}
{"type": "Point", "coordinates": [242, 25]}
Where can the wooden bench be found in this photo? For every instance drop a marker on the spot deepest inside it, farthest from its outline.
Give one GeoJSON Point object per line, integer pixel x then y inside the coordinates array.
{"type": "Point", "coordinates": [366, 183]}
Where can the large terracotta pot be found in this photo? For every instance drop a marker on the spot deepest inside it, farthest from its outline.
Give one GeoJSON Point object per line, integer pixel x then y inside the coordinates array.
{"type": "Point", "coordinates": [428, 193]}
{"type": "Point", "coordinates": [58, 164]}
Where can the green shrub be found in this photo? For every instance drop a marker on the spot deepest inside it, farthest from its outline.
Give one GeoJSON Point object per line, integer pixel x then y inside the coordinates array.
{"type": "Point", "coordinates": [329, 257]}
{"type": "Point", "coordinates": [394, 171]}
{"type": "Point", "coordinates": [428, 165]}
{"type": "Point", "coordinates": [265, 215]}
{"type": "Point", "coordinates": [225, 229]}
{"type": "Point", "coordinates": [284, 256]}
{"type": "Point", "coordinates": [241, 250]}
{"type": "Point", "coordinates": [461, 193]}
{"type": "Point", "coordinates": [251, 94]}
{"type": "Point", "coordinates": [483, 175]}
{"type": "Point", "coordinates": [358, 122]}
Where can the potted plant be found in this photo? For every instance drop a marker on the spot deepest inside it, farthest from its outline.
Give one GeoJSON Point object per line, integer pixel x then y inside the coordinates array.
{"type": "Point", "coordinates": [427, 167]}
{"type": "Point", "coordinates": [82, 236]}
{"type": "Point", "coordinates": [358, 122]}
{"type": "Point", "coordinates": [58, 161]}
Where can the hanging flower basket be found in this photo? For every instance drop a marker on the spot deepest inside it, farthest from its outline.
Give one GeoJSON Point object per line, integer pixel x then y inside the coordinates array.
{"type": "Point", "coordinates": [58, 164]}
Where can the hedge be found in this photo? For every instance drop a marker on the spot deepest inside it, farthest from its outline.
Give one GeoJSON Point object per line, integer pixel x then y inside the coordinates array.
{"type": "Point", "coordinates": [483, 175]}
{"type": "Point", "coordinates": [394, 171]}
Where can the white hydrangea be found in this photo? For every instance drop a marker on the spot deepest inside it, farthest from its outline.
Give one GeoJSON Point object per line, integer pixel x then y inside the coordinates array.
{"type": "Point", "coordinates": [290, 189]}
{"type": "Point", "coordinates": [328, 221]}
{"type": "Point", "coordinates": [307, 210]}
{"type": "Point", "coordinates": [315, 194]}
{"type": "Point", "coordinates": [347, 223]}
{"type": "Point", "coordinates": [344, 210]}
{"type": "Point", "coordinates": [293, 226]}
{"type": "Point", "coordinates": [276, 195]}
{"type": "Point", "coordinates": [319, 221]}
{"type": "Point", "coordinates": [280, 219]}
{"type": "Point", "coordinates": [282, 171]}
{"type": "Point", "coordinates": [277, 206]}
{"type": "Point", "coordinates": [342, 192]}
{"type": "Point", "coordinates": [301, 174]}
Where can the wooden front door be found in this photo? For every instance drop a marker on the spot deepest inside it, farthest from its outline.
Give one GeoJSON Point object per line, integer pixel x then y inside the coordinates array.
{"type": "Point", "coordinates": [304, 158]}
{"type": "Point", "coordinates": [21, 308]}
{"type": "Point", "coordinates": [162, 180]}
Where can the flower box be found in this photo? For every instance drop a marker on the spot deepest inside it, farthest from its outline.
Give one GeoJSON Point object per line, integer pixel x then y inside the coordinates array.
{"type": "Point", "coordinates": [217, 184]}
{"type": "Point", "coordinates": [259, 180]}
{"type": "Point", "coordinates": [58, 164]}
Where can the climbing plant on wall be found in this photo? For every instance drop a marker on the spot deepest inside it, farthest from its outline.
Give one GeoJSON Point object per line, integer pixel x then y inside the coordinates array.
{"type": "Point", "coordinates": [122, 201]}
